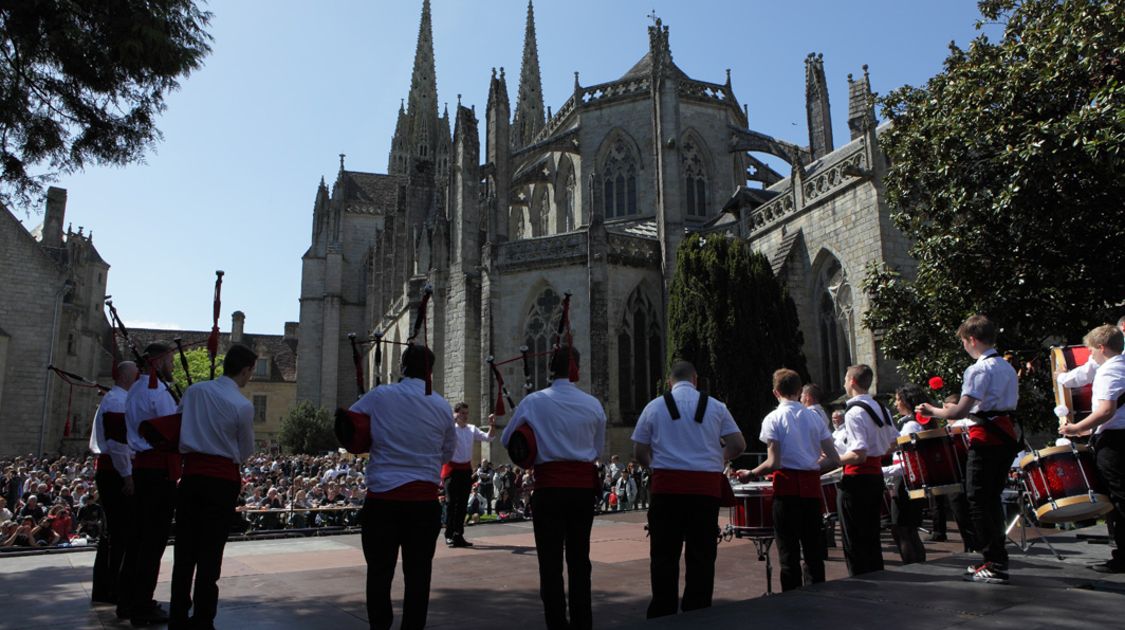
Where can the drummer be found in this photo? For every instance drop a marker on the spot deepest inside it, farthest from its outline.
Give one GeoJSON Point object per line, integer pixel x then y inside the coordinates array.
{"type": "Point", "coordinates": [1084, 374]}
{"type": "Point", "coordinates": [798, 448]}
{"type": "Point", "coordinates": [1107, 420]}
{"type": "Point", "coordinates": [906, 513]}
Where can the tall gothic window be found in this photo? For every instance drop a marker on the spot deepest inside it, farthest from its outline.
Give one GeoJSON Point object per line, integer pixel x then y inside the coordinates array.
{"type": "Point", "coordinates": [542, 214]}
{"type": "Point", "coordinates": [640, 356]}
{"type": "Point", "coordinates": [542, 324]}
{"type": "Point", "coordinates": [834, 325]}
{"type": "Point", "coordinates": [619, 180]}
{"type": "Point", "coordinates": [568, 203]}
{"type": "Point", "coordinates": [695, 179]}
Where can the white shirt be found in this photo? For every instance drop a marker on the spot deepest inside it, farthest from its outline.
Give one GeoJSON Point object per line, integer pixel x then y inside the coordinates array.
{"type": "Point", "coordinates": [685, 444]}
{"type": "Point", "coordinates": [463, 447]}
{"type": "Point", "coordinates": [144, 403]}
{"type": "Point", "coordinates": [121, 454]}
{"type": "Point", "coordinates": [992, 382]}
{"type": "Point", "coordinates": [823, 415]}
{"type": "Point", "coordinates": [569, 424]}
{"type": "Point", "coordinates": [1109, 384]}
{"type": "Point", "coordinates": [218, 420]}
{"type": "Point", "coordinates": [798, 431]}
{"type": "Point", "coordinates": [862, 432]}
{"type": "Point", "coordinates": [840, 439]}
{"type": "Point", "coordinates": [910, 425]}
{"type": "Point", "coordinates": [411, 435]}
{"type": "Point", "coordinates": [1080, 376]}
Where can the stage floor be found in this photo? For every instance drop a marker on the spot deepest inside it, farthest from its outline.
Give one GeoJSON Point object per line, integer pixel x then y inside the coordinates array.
{"type": "Point", "coordinates": [319, 583]}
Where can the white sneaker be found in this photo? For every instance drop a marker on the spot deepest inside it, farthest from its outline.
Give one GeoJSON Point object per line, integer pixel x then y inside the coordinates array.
{"type": "Point", "coordinates": [988, 573]}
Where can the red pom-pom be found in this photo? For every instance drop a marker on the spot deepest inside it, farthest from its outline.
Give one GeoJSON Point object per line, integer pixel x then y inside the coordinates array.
{"type": "Point", "coordinates": [923, 420]}
{"type": "Point", "coordinates": [936, 382]}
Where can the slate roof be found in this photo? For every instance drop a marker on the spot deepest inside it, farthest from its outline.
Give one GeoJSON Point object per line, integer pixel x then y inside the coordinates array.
{"type": "Point", "coordinates": [282, 353]}
{"type": "Point", "coordinates": [371, 192]}
{"type": "Point", "coordinates": [643, 68]}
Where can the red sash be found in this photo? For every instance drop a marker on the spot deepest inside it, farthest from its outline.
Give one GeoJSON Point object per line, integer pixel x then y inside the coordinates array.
{"type": "Point", "coordinates": [870, 466]}
{"type": "Point", "coordinates": [113, 425]}
{"type": "Point", "coordinates": [207, 465]}
{"type": "Point", "coordinates": [566, 474]}
{"type": "Point", "coordinates": [708, 484]}
{"type": "Point", "coordinates": [797, 483]}
{"type": "Point", "coordinates": [979, 434]}
{"type": "Point", "coordinates": [412, 491]}
{"type": "Point", "coordinates": [448, 467]}
{"type": "Point", "coordinates": [163, 432]}
{"type": "Point", "coordinates": [153, 459]}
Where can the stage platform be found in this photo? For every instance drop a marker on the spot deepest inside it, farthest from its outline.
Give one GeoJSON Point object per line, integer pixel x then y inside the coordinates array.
{"type": "Point", "coordinates": [319, 583]}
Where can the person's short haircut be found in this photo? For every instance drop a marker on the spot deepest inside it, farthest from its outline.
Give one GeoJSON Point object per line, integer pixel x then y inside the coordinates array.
{"type": "Point", "coordinates": [560, 361]}
{"type": "Point", "coordinates": [787, 382]}
{"type": "Point", "coordinates": [239, 357]}
{"type": "Point", "coordinates": [980, 327]}
{"type": "Point", "coordinates": [417, 361]}
{"type": "Point", "coordinates": [682, 371]}
{"type": "Point", "coordinates": [912, 395]}
{"type": "Point", "coordinates": [813, 391]}
{"type": "Point", "coordinates": [1108, 336]}
{"type": "Point", "coordinates": [952, 398]}
{"type": "Point", "coordinates": [461, 406]}
{"type": "Point", "coordinates": [862, 375]}
{"type": "Point", "coordinates": [154, 351]}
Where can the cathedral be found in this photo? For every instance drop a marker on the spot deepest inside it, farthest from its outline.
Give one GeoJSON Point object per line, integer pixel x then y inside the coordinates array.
{"type": "Point", "coordinates": [590, 199]}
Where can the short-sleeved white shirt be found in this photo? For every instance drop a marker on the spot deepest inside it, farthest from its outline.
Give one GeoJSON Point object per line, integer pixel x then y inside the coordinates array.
{"type": "Point", "coordinates": [992, 382]}
{"type": "Point", "coordinates": [1109, 384]}
{"type": "Point", "coordinates": [466, 435]}
{"type": "Point", "coordinates": [798, 432]}
{"type": "Point", "coordinates": [145, 403]}
{"type": "Point", "coordinates": [685, 444]}
{"type": "Point", "coordinates": [569, 424]}
{"type": "Point", "coordinates": [862, 432]}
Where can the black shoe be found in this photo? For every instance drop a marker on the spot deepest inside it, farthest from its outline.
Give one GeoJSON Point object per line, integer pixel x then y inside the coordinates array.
{"type": "Point", "coordinates": [449, 541]}
{"type": "Point", "coordinates": [153, 615]}
{"type": "Point", "coordinates": [938, 538]}
{"type": "Point", "coordinates": [1108, 567]}
{"type": "Point", "coordinates": [103, 600]}
{"type": "Point", "coordinates": [461, 542]}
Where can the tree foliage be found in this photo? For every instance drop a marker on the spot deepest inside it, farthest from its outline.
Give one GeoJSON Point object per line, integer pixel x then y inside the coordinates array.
{"type": "Point", "coordinates": [730, 317]}
{"type": "Point", "coordinates": [1007, 173]}
{"type": "Point", "coordinates": [307, 429]}
{"type": "Point", "coordinates": [82, 82]}
{"type": "Point", "coordinates": [199, 365]}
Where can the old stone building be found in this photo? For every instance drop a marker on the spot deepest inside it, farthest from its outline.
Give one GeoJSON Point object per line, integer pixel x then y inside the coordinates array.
{"type": "Point", "coordinates": [53, 286]}
{"type": "Point", "coordinates": [590, 199]}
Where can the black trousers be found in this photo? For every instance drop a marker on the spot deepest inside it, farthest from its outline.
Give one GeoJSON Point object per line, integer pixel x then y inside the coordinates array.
{"type": "Point", "coordinates": [155, 505]}
{"type": "Point", "coordinates": [906, 518]}
{"type": "Point", "coordinates": [986, 474]}
{"type": "Point", "coordinates": [562, 518]}
{"type": "Point", "coordinates": [1109, 452]}
{"type": "Point", "coordinates": [110, 581]}
{"type": "Point", "coordinates": [457, 487]}
{"type": "Point", "coordinates": [676, 521]}
{"type": "Point", "coordinates": [798, 526]}
{"type": "Point", "coordinates": [204, 512]}
{"type": "Point", "coordinates": [958, 505]}
{"type": "Point", "coordinates": [860, 502]}
{"type": "Point", "coordinates": [413, 527]}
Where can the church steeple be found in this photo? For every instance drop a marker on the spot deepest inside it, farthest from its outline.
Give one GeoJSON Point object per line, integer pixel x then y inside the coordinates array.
{"type": "Point", "coordinates": [816, 106]}
{"type": "Point", "coordinates": [423, 83]}
{"type": "Point", "coordinates": [420, 136]}
{"type": "Point", "coordinates": [528, 118]}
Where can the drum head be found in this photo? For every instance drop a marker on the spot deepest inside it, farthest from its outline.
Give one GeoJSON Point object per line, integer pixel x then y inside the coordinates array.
{"type": "Point", "coordinates": [1054, 451]}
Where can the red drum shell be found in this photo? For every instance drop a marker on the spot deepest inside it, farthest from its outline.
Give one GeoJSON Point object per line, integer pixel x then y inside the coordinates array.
{"type": "Point", "coordinates": [1060, 482]}
{"type": "Point", "coordinates": [931, 463]}
{"type": "Point", "coordinates": [753, 509]}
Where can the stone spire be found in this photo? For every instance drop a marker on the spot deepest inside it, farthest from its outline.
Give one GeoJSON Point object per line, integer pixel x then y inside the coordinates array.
{"type": "Point", "coordinates": [861, 105]}
{"type": "Point", "coordinates": [423, 83]}
{"type": "Point", "coordinates": [528, 118]}
{"type": "Point", "coordinates": [816, 105]}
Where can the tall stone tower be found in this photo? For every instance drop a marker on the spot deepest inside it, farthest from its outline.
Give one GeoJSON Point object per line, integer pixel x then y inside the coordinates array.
{"type": "Point", "coordinates": [816, 104]}
{"type": "Point", "coordinates": [421, 136]}
{"type": "Point", "coordinates": [528, 119]}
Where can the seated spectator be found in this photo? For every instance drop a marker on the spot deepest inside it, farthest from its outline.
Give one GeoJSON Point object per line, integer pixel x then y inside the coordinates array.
{"type": "Point", "coordinates": [504, 505]}
{"type": "Point", "coordinates": [475, 507]}
{"type": "Point", "coordinates": [32, 509]}
{"type": "Point", "coordinates": [5, 513]}
{"type": "Point", "coordinates": [44, 535]}
{"type": "Point", "coordinates": [89, 517]}
{"type": "Point", "coordinates": [60, 521]}
{"type": "Point", "coordinates": [21, 535]}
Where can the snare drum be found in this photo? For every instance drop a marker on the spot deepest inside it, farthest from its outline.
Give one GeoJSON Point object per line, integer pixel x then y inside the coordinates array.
{"type": "Point", "coordinates": [828, 483]}
{"type": "Point", "coordinates": [752, 513]}
{"type": "Point", "coordinates": [931, 464]}
{"type": "Point", "coordinates": [1063, 485]}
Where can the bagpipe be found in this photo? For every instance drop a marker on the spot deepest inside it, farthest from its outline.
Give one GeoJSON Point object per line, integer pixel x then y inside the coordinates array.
{"type": "Point", "coordinates": [352, 428]}
{"type": "Point", "coordinates": [522, 447]}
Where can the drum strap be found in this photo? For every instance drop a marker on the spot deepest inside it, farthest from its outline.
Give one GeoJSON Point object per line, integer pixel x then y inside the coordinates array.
{"type": "Point", "coordinates": [700, 408]}
{"type": "Point", "coordinates": [880, 422]}
{"type": "Point", "coordinates": [670, 402]}
{"type": "Point", "coordinates": [984, 419]}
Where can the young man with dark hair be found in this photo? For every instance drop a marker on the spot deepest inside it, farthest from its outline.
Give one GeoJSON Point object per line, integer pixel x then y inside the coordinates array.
{"type": "Point", "coordinates": [798, 447]}
{"type": "Point", "coordinates": [811, 397]}
{"type": "Point", "coordinates": [457, 473]}
{"type": "Point", "coordinates": [870, 434]}
{"type": "Point", "coordinates": [411, 437]}
{"type": "Point", "coordinates": [1107, 420]}
{"type": "Point", "coordinates": [216, 436]}
{"type": "Point", "coordinates": [681, 436]}
{"type": "Point", "coordinates": [154, 488]}
{"type": "Point", "coordinates": [569, 427]}
{"type": "Point", "coordinates": [989, 395]}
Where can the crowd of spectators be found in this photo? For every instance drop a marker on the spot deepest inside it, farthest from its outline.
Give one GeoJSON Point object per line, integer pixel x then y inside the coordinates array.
{"type": "Point", "coordinates": [53, 502]}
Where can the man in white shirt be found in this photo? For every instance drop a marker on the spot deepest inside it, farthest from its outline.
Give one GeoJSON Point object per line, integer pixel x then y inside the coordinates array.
{"type": "Point", "coordinates": [1107, 419]}
{"type": "Point", "coordinates": [681, 436]}
{"type": "Point", "coordinates": [411, 436]}
{"type": "Point", "coordinates": [155, 487]}
{"type": "Point", "coordinates": [569, 427]}
{"type": "Point", "coordinates": [811, 396]}
{"type": "Point", "coordinates": [1084, 374]}
{"type": "Point", "coordinates": [871, 434]}
{"type": "Point", "coordinates": [457, 473]}
{"type": "Point", "coordinates": [114, 479]}
{"type": "Point", "coordinates": [216, 436]}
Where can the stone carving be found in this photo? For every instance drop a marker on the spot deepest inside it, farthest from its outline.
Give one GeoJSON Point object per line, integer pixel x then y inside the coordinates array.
{"type": "Point", "coordinates": [555, 250]}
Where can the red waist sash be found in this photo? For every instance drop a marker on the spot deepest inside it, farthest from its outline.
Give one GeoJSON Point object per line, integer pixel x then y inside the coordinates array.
{"type": "Point", "coordinates": [979, 434]}
{"type": "Point", "coordinates": [207, 465]}
{"type": "Point", "coordinates": [411, 491]}
{"type": "Point", "coordinates": [163, 432]}
{"type": "Point", "coordinates": [448, 467]}
{"type": "Point", "coordinates": [870, 466]}
{"type": "Point", "coordinates": [566, 474]}
{"type": "Point", "coordinates": [708, 484]}
{"type": "Point", "coordinates": [797, 483]}
{"type": "Point", "coordinates": [159, 460]}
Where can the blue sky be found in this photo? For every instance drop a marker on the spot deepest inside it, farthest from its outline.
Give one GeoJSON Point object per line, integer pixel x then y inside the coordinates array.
{"type": "Point", "coordinates": [290, 85]}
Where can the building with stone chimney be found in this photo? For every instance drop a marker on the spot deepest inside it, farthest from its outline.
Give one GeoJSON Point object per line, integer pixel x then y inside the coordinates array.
{"type": "Point", "coordinates": [52, 284]}
{"type": "Point", "coordinates": [590, 199]}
